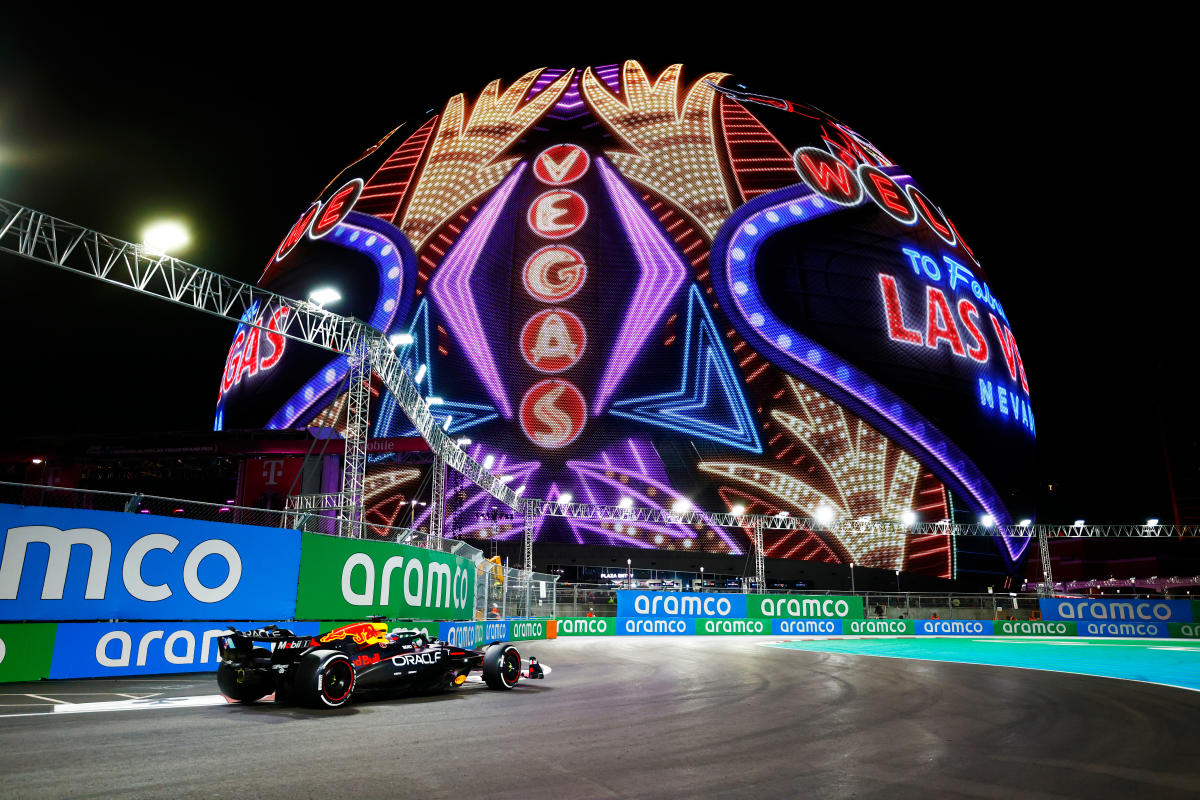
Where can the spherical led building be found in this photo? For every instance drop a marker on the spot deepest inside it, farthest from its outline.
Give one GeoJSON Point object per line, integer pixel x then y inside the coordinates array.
{"type": "Point", "coordinates": [653, 288]}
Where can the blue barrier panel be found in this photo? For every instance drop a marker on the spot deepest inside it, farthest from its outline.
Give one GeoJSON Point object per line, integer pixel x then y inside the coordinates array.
{"type": "Point", "coordinates": [64, 564]}
{"type": "Point", "coordinates": [1123, 628]}
{"type": "Point", "coordinates": [106, 649]}
{"type": "Point", "coordinates": [953, 627]}
{"type": "Point", "coordinates": [1079, 609]}
{"type": "Point", "coordinates": [632, 603]}
{"type": "Point", "coordinates": [473, 634]}
{"type": "Point", "coordinates": [651, 626]}
{"type": "Point", "coordinates": [806, 627]}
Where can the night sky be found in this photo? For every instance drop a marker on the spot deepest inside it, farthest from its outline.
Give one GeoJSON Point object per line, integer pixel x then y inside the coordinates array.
{"type": "Point", "coordinates": [1031, 146]}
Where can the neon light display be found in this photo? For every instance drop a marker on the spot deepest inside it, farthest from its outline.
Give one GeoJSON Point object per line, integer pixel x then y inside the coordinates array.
{"type": "Point", "coordinates": [653, 288]}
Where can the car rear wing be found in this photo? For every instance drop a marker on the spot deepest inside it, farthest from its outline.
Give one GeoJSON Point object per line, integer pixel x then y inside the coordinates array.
{"type": "Point", "coordinates": [240, 644]}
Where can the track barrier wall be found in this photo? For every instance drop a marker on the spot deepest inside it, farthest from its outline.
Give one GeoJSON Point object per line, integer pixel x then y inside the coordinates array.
{"type": "Point", "coordinates": [98, 593]}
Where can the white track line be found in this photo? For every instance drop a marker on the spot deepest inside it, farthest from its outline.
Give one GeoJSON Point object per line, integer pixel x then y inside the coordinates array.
{"type": "Point", "coordinates": [47, 699]}
{"type": "Point", "coordinates": [145, 704]}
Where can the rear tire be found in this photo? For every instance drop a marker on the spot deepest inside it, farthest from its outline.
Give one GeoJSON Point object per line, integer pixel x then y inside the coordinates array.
{"type": "Point", "coordinates": [244, 685]}
{"type": "Point", "coordinates": [324, 679]}
{"type": "Point", "coordinates": [501, 666]}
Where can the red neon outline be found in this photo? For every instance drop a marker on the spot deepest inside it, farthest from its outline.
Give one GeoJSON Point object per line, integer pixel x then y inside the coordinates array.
{"type": "Point", "coordinates": [922, 202]}
{"type": "Point", "coordinates": [529, 218]}
{"type": "Point", "coordinates": [529, 399]}
{"type": "Point", "coordinates": [276, 339]}
{"type": "Point", "coordinates": [336, 208]}
{"type": "Point", "coordinates": [537, 163]}
{"type": "Point", "coordinates": [939, 324]}
{"type": "Point", "coordinates": [895, 315]}
{"type": "Point", "coordinates": [542, 315]}
{"type": "Point", "coordinates": [967, 309]}
{"type": "Point", "coordinates": [572, 291]}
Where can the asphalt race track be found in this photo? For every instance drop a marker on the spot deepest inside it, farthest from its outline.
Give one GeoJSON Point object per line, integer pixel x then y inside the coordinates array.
{"type": "Point", "coordinates": [626, 717]}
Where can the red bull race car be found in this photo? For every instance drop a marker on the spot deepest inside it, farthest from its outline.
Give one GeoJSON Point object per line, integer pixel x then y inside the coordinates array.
{"type": "Point", "coordinates": [357, 659]}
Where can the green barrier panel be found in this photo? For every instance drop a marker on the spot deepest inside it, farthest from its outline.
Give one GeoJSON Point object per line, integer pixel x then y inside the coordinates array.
{"type": "Point", "coordinates": [1008, 627]}
{"type": "Point", "coordinates": [1184, 630]}
{"type": "Point", "coordinates": [798, 606]}
{"type": "Point", "coordinates": [354, 579]}
{"type": "Point", "coordinates": [26, 650]}
{"type": "Point", "coordinates": [729, 627]}
{"type": "Point", "coordinates": [1196, 611]}
{"type": "Point", "coordinates": [879, 627]}
{"type": "Point", "coordinates": [522, 630]}
{"type": "Point", "coordinates": [587, 626]}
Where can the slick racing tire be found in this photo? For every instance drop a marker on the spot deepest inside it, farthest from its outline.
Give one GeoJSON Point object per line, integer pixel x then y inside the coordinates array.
{"type": "Point", "coordinates": [244, 685]}
{"type": "Point", "coordinates": [324, 679]}
{"type": "Point", "coordinates": [501, 666]}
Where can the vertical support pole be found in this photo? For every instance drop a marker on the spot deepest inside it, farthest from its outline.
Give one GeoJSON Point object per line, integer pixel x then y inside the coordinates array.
{"type": "Point", "coordinates": [354, 461]}
{"type": "Point", "coordinates": [437, 512]}
{"type": "Point", "coordinates": [1047, 576]}
{"type": "Point", "coordinates": [527, 572]}
{"type": "Point", "coordinates": [760, 568]}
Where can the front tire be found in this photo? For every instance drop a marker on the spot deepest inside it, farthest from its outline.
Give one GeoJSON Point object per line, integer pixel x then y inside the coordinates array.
{"type": "Point", "coordinates": [324, 679]}
{"type": "Point", "coordinates": [501, 666]}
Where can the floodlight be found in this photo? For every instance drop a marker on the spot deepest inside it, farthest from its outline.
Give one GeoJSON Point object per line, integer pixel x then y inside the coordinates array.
{"type": "Point", "coordinates": [322, 296]}
{"type": "Point", "coordinates": [165, 236]}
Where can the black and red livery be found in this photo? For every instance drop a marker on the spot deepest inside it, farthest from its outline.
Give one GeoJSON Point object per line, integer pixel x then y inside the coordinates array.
{"type": "Point", "coordinates": [353, 660]}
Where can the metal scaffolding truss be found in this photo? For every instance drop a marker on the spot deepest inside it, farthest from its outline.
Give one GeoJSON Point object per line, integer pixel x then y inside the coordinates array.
{"type": "Point", "coordinates": [40, 237]}
{"type": "Point", "coordinates": [354, 462]}
{"type": "Point", "coordinates": [842, 527]}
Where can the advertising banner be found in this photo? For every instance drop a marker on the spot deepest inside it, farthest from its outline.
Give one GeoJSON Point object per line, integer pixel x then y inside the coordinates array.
{"type": "Point", "coordinates": [732, 627]}
{"type": "Point", "coordinates": [1077, 608]}
{"type": "Point", "coordinates": [632, 603]}
{"type": "Point", "coordinates": [1009, 627]}
{"type": "Point", "coordinates": [25, 651]}
{"type": "Point", "coordinates": [806, 627]}
{"type": "Point", "coordinates": [798, 606]}
{"type": "Point", "coordinates": [473, 634]}
{"type": "Point", "coordinates": [656, 626]}
{"type": "Point", "coordinates": [106, 649]}
{"type": "Point", "coordinates": [1123, 629]}
{"type": "Point", "coordinates": [953, 627]}
{"type": "Point", "coordinates": [65, 564]}
{"type": "Point", "coordinates": [354, 579]}
{"type": "Point", "coordinates": [1184, 630]}
{"type": "Point", "coordinates": [587, 626]}
{"type": "Point", "coordinates": [520, 630]}
{"type": "Point", "coordinates": [878, 627]}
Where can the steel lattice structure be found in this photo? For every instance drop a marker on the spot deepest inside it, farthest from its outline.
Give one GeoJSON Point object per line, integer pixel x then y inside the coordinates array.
{"type": "Point", "coordinates": [39, 237]}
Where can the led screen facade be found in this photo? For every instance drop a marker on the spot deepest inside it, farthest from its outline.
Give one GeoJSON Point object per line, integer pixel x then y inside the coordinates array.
{"type": "Point", "coordinates": [623, 284]}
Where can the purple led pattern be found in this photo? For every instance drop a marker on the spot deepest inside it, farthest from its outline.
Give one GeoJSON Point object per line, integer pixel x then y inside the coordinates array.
{"type": "Point", "coordinates": [746, 230]}
{"type": "Point", "coordinates": [600, 484]}
{"type": "Point", "coordinates": [450, 288]}
{"type": "Point", "coordinates": [663, 271]}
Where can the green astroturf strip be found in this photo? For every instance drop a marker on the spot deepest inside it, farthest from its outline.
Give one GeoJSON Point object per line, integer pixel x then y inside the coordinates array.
{"type": "Point", "coordinates": [1168, 661]}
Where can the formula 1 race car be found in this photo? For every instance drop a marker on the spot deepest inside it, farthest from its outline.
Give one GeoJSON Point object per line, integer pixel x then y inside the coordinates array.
{"type": "Point", "coordinates": [361, 658]}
